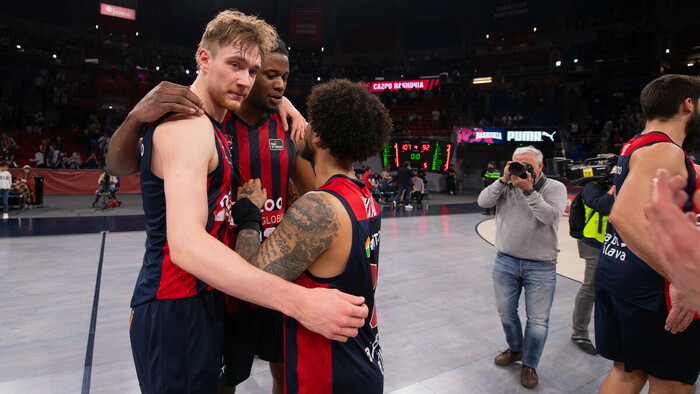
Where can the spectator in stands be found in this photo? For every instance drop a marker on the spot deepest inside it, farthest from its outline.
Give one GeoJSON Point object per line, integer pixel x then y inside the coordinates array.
{"type": "Point", "coordinates": [5, 183]}
{"type": "Point", "coordinates": [103, 143]}
{"type": "Point", "coordinates": [54, 157]}
{"type": "Point", "coordinates": [60, 146]}
{"type": "Point", "coordinates": [73, 162]}
{"type": "Point", "coordinates": [91, 162]}
{"type": "Point", "coordinates": [8, 147]}
{"type": "Point", "coordinates": [518, 119]}
{"type": "Point", "coordinates": [38, 159]}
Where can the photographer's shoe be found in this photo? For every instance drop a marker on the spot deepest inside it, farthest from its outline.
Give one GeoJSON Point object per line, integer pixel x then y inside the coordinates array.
{"type": "Point", "coordinates": [508, 357]}
{"type": "Point", "coordinates": [528, 377]}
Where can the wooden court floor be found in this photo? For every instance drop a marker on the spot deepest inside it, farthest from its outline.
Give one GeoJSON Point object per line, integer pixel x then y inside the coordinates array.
{"type": "Point", "coordinates": [65, 329]}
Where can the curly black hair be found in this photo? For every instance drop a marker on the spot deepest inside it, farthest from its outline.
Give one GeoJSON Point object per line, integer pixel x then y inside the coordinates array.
{"type": "Point", "coordinates": [350, 121]}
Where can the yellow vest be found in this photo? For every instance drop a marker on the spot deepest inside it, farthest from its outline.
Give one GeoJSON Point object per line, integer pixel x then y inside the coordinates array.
{"type": "Point", "coordinates": [595, 226]}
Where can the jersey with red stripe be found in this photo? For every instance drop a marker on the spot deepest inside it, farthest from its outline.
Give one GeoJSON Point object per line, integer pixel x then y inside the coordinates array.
{"type": "Point", "coordinates": [160, 278]}
{"type": "Point", "coordinates": [263, 151]}
{"type": "Point", "coordinates": [619, 270]}
{"type": "Point", "coordinates": [314, 364]}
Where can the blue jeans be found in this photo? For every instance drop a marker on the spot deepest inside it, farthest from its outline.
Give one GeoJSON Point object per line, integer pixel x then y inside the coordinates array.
{"type": "Point", "coordinates": [510, 275]}
{"type": "Point", "coordinates": [406, 199]}
{"type": "Point", "coordinates": [5, 194]}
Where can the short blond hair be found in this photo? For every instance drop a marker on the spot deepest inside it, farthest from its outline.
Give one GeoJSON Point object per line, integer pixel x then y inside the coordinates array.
{"type": "Point", "coordinates": [234, 27]}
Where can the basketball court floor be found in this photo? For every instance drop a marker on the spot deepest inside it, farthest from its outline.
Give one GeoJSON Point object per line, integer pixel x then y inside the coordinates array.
{"type": "Point", "coordinates": [67, 273]}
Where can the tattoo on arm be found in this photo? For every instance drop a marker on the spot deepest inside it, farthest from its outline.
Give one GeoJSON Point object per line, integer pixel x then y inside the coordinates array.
{"type": "Point", "coordinates": [248, 243]}
{"type": "Point", "coordinates": [309, 227]}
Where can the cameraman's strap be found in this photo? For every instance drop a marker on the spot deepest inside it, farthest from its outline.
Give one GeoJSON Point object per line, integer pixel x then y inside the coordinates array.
{"type": "Point", "coordinates": [540, 182]}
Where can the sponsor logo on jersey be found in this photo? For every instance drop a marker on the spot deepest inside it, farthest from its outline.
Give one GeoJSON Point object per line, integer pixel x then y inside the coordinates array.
{"type": "Point", "coordinates": [276, 144]}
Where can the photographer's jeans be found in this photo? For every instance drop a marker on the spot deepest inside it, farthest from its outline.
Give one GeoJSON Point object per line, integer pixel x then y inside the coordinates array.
{"type": "Point", "coordinates": [510, 275]}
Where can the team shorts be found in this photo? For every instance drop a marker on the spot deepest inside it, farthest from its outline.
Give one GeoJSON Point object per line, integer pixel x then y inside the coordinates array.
{"type": "Point", "coordinates": [249, 332]}
{"type": "Point", "coordinates": [177, 344]}
{"type": "Point", "coordinates": [636, 337]}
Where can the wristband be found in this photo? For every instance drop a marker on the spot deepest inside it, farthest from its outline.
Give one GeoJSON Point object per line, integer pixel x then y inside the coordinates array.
{"type": "Point", "coordinates": [246, 215]}
{"type": "Point", "coordinates": [500, 180]}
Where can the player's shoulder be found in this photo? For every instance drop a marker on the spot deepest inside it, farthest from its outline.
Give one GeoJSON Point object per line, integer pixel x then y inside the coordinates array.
{"type": "Point", "coordinates": [182, 129]}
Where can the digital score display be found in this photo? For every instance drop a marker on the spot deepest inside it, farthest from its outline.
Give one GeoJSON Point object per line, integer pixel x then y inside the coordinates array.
{"type": "Point", "coordinates": [428, 155]}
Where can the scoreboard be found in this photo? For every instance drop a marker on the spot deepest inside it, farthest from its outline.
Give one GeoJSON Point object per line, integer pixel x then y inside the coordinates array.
{"type": "Point", "coordinates": [428, 155]}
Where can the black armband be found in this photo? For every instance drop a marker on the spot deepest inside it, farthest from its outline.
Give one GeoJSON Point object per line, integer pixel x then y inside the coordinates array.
{"type": "Point", "coordinates": [246, 215]}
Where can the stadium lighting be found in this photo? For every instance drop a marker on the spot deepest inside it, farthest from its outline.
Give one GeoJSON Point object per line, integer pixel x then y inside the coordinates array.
{"type": "Point", "coordinates": [668, 50]}
{"type": "Point", "coordinates": [323, 49]}
{"type": "Point", "coordinates": [289, 48]}
{"type": "Point", "coordinates": [318, 79]}
{"type": "Point", "coordinates": [137, 34]}
{"type": "Point", "coordinates": [157, 68]}
{"type": "Point", "coordinates": [558, 63]}
{"type": "Point", "coordinates": [19, 46]}
{"type": "Point", "coordinates": [97, 27]}
{"type": "Point", "coordinates": [187, 72]}
{"type": "Point", "coordinates": [54, 56]}
{"type": "Point", "coordinates": [478, 81]}
{"type": "Point", "coordinates": [691, 64]}
{"type": "Point", "coordinates": [487, 36]}
{"type": "Point", "coordinates": [575, 60]}
{"type": "Point", "coordinates": [534, 29]}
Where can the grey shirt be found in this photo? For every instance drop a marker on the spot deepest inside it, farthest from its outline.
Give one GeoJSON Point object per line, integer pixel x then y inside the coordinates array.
{"type": "Point", "coordinates": [526, 226]}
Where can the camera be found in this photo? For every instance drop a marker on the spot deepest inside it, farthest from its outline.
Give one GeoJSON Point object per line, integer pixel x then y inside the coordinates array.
{"type": "Point", "coordinates": [599, 168]}
{"type": "Point", "coordinates": [521, 169]}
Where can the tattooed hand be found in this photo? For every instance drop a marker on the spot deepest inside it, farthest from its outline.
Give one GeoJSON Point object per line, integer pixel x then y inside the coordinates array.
{"type": "Point", "coordinates": [253, 192]}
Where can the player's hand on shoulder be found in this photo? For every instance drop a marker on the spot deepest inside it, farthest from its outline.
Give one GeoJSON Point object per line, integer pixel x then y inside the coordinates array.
{"type": "Point", "coordinates": [332, 313]}
{"type": "Point", "coordinates": [298, 123]}
{"type": "Point", "coordinates": [253, 191]}
{"type": "Point", "coordinates": [164, 98]}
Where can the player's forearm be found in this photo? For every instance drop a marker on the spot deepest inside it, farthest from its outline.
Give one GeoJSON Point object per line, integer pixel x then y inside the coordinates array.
{"type": "Point", "coordinates": [123, 155]}
{"type": "Point", "coordinates": [248, 244]}
{"type": "Point", "coordinates": [214, 263]}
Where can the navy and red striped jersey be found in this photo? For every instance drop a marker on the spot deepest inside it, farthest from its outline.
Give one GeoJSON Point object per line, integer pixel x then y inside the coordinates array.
{"type": "Point", "coordinates": [314, 364]}
{"type": "Point", "coordinates": [160, 278]}
{"type": "Point", "coordinates": [263, 151]}
{"type": "Point", "coordinates": [619, 270]}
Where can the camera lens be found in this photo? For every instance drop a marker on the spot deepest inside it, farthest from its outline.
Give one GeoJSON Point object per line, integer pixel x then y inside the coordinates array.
{"type": "Point", "coordinates": [517, 169]}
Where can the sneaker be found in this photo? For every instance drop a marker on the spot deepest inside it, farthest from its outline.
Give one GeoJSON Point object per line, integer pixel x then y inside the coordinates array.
{"type": "Point", "coordinates": [584, 344]}
{"type": "Point", "coordinates": [528, 377]}
{"type": "Point", "coordinates": [393, 203]}
{"type": "Point", "coordinates": [409, 206]}
{"type": "Point", "coordinates": [508, 357]}
{"type": "Point", "coordinates": [5, 215]}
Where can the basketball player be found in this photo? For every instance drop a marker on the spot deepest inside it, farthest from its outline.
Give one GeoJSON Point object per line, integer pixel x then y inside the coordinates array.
{"type": "Point", "coordinates": [259, 149]}
{"type": "Point", "coordinates": [176, 324]}
{"type": "Point", "coordinates": [643, 323]}
{"type": "Point", "coordinates": [330, 238]}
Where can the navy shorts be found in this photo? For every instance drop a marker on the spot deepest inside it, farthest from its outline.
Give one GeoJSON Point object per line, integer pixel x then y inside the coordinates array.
{"type": "Point", "coordinates": [251, 332]}
{"type": "Point", "coordinates": [177, 344]}
{"type": "Point", "coordinates": [636, 337]}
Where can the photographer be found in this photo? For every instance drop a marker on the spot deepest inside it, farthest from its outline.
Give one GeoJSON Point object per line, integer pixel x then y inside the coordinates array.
{"type": "Point", "coordinates": [598, 201]}
{"type": "Point", "coordinates": [528, 208]}
{"type": "Point", "coordinates": [108, 184]}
